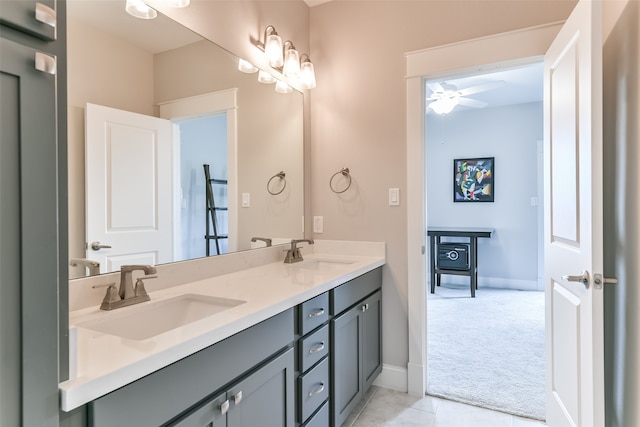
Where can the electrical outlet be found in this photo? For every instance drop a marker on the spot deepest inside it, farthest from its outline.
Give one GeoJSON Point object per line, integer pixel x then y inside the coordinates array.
{"type": "Point", "coordinates": [318, 226]}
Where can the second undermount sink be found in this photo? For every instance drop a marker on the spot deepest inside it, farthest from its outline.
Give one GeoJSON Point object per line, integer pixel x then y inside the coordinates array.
{"type": "Point", "coordinates": [150, 319]}
{"type": "Point", "coordinates": [323, 264]}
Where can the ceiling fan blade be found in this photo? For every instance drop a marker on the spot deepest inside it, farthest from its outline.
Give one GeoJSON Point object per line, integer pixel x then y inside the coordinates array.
{"type": "Point", "coordinates": [435, 87]}
{"type": "Point", "coordinates": [468, 102]}
{"type": "Point", "coordinates": [481, 88]}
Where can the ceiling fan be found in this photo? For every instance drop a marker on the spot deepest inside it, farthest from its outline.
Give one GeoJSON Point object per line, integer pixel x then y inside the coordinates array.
{"type": "Point", "coordinates": [445, 96]}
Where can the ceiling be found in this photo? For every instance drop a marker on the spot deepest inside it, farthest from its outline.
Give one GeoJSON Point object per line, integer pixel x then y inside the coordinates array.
{"type": "Point", "coordinates": [523, 84]}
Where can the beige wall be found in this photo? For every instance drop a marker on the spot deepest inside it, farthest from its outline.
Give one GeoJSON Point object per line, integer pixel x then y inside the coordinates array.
{"type": "Point", "coordinates": [359, 118]}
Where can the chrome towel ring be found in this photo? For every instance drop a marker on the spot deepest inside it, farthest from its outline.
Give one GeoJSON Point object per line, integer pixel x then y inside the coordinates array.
{"type": "Point", "coordinates": [280, 175]}
{"type": "Point", "coordinates": [344, 172]}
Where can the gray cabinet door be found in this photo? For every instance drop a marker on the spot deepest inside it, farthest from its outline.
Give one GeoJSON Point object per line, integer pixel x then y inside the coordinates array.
{"type": "Point", "coordinates": [34, 17]}
{"type": "Point", "coordinates": [346, 358]}
{"type": "Point", "coordinates": [371, 339]}
{"type": "Point", "coordinates": [28, 226]}
{"type": "Point", "coordinates": [209, 414]}
{"type": "Point", "coordinates": [266, 397]}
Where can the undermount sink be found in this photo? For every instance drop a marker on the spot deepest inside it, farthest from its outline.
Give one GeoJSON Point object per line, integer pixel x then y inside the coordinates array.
{"type": "Point", "coordinates": [154, 318]}
{"type": "Point", "coordinates": [323, 264]}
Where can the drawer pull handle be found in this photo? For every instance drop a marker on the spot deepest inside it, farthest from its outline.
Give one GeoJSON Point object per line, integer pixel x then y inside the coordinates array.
{"type": "Point", "coordinates": [46, 15]}
{"type": "Point", "coordinates": [317, 391]}
{"type": "Point", "coordinates": [365, 307]}
{"type": "Point", "coordinates": [237, 398]}
{"type": "Point", "coordinates": [317, 348]}
{"type": "Point", "coordinates": [316, 313]}
{"type": "Point", "coordinates": [224, 407]}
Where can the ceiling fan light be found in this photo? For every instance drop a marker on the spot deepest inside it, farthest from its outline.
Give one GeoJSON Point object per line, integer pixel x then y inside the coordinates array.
{"type": "Point", "coordinates": [444, 105]}
{"type": "Point", "coordinates": [138, 9]}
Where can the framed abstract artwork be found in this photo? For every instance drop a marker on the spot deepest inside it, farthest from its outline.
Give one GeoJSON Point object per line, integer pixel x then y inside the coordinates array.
{"type": "Point", "coordinates": [473, 179]}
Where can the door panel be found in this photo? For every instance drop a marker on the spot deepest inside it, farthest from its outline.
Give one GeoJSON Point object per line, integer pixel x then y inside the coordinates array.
{"type": "Point", "coordinates": [573, 221]}
{"type": "Point", "coordinates": [129, 202]}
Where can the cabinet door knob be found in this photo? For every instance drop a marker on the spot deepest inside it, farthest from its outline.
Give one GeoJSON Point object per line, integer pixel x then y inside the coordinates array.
{"type": "Point", "coordinates": [365, 307]}
{"type": "Point", "coordinates": [224, 407]}
{"type": "Point", "coordinates": [317, 348]}
{"type": "Point", "coordinates": [237, 398]}
{"type": "Point", "coordinates": [317, 313]}
{"type": "Point", "coordinates": [317, 391]}
{"type": "Point", "coordinates": [45, 63]}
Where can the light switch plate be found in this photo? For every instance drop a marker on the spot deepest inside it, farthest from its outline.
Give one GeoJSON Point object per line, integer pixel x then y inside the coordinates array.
{"type": "Point", "coordinates": [394, 197]}
{"type": "Point", "coordinates": [318, 224]}
{"type": "Point", "coordinates": [246, 200]}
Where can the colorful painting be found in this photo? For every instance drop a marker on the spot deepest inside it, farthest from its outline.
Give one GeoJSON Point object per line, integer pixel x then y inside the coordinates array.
{"type": "Point", "coordinates": [473, 179]}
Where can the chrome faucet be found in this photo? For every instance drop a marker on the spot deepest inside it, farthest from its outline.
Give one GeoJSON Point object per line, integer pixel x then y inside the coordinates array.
{"type": "Point", "coordinates": [266, 240]}
{"type": "Point", "coordinates": [126, 294]}
{"type": "Point", "coordinates": [293, 254]}
{"type": "Point", "coordinates": [89, 264]}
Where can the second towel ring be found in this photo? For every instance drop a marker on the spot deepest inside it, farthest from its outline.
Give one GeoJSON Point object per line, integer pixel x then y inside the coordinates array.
{"type": "Point", "coordinates": [344, 172]}
{"type": "Point", "coordinates": [280, 175]}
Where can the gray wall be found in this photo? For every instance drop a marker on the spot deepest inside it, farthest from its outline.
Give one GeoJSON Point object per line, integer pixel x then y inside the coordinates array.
{"type": "Point", "coordinates": [622, 216]}
{"type": "Point", "coordinates": [510, 134]}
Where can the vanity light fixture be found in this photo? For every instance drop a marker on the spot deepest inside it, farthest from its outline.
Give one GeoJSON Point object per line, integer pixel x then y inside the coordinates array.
{"type": "Point", "coordinates": [273, 46]}
{"type": "Point", "coordinates": [291, 66]}
{"type": "Point", "coordinates": [138, 9]}
{"type": "Point", "coordinates": [307, 75]}
{"type": "Point", "coordinates": [282, 87]}
{"type": "Point", "coordinates": [178, 3]}
{"type": "Point", "coordinates": [246, 66]}
{"type": "Point", "coordinates": [266, 78]}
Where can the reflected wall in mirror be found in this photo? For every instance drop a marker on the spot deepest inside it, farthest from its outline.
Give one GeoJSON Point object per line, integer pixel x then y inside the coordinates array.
{"type": "Point", "coordinates": [143, 67]}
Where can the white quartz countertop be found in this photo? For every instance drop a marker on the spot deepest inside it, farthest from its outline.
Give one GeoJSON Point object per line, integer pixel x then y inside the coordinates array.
{"type": "Point", "coordinates": [102, 363]}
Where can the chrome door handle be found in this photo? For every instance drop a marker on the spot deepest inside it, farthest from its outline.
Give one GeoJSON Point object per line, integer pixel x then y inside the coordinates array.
{"type": "Point", "coordinates": [582, 278]}
{"type": "Point", "coordinates": [96, 246]}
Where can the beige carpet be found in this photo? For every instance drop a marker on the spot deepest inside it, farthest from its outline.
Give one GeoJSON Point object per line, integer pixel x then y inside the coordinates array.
{"type": "Point", "coordinates": [489, 350]}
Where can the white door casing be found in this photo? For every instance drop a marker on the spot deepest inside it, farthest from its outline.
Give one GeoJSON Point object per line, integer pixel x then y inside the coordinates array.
{"type": "Point", "coordinates": [573, 226]}
{"type": "Point", "coordinates": [128, 188]}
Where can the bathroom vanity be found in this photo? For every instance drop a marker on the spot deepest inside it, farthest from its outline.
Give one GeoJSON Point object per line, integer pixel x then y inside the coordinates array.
{"type": "Point", "coordinates": [294, 345]}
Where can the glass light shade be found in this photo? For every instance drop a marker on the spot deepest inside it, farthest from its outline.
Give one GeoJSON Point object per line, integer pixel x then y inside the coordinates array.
{"type": "Point", "coordinates": [291, 63]}
{"type": "Point", "coordinates": [307, 75]}
{"type": "Point", "coordinates": [273, 50]}
{"type": "Point", "coordinates": [282, 87]}
{"type": "Point", "coordinates": [444, 105]}
{"type": "Point", "coordinates": [246, 66]}
{"type": "Point", "coordinates": [266, 78]}
{"type": "Point", "coordinates": [178, 3]}
{"type": "Point", "coordinates": [139, 9]}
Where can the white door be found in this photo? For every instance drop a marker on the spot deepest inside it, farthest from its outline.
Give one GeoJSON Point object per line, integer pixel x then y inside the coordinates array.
{"type": "Point", "coordinates": [128, 177]}
{"type": "Point", "coordinates": [573, 221]}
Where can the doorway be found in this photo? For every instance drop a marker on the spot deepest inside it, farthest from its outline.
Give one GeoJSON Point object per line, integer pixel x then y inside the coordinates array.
{"type": "Point", "coordinates": [495, 115]}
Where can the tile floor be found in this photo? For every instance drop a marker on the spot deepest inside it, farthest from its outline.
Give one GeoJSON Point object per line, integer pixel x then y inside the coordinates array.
{"type": "Point", "coordinates": [387, 408]}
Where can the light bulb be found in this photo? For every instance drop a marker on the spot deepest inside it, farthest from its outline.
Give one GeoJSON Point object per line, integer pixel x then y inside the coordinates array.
{"type": "Point", "coordinates": [291, 63]}
{"type": "Point", "coordinates": [273, 49]}
{"type": "Point", "coordinates": [307, 75]}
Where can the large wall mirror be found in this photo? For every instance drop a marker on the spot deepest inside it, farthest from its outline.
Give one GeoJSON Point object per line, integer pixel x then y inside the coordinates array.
{"type": "Point", "coordinates": [124, 73]}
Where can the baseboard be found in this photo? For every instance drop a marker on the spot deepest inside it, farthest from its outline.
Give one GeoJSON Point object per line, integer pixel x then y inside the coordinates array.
{"type": "Point", "coordinates": [392, 377]}
{"type": "Point", "coordinates": [493, 282]}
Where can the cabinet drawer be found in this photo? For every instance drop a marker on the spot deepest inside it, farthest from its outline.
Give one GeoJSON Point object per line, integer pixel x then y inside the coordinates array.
{"type": "Point", "coordinates": [344, 296]}
{"type": "Point", "coordinates": [314, 347]}
{"type": "Point", "coordinates": [314, 313]}
{"type": "Point", "coordinates": [314, 389]}
{"type": "Point", "coordinates": [34, 17]}
{"type": "Point", "coordinates": [320, 418]}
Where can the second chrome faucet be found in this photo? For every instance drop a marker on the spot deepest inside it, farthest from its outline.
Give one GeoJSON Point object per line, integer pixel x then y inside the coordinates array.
{"type": "Point", "coordinates": [293, 254]}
